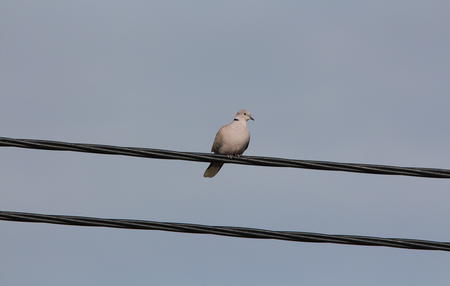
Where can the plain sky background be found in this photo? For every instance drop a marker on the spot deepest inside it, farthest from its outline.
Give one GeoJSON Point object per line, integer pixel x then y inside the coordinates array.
{"type": "Point", "coordinates": [348, 81]}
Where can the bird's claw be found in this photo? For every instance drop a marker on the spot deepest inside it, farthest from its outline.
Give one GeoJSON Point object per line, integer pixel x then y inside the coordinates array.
{"type": "Point", "coordinates": [231, 156]}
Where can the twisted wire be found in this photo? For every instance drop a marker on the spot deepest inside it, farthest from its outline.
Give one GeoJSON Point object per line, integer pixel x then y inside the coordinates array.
{"type": "Point", "coordinates": [242, 232]}
{"type": "Point", "coordinates": [208, 157]}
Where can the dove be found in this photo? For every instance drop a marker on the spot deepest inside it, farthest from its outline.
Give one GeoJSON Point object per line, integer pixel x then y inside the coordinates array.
{"type": "Point", "coordinates": [231, 139]}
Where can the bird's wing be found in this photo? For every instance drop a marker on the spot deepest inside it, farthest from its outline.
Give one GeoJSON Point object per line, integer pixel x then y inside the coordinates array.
{"type": "Point", "coordinates": [218, 141]}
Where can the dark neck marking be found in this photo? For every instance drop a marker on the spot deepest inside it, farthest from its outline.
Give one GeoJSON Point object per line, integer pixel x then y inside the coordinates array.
{"type": "Point", "coordinates": [236, 119]}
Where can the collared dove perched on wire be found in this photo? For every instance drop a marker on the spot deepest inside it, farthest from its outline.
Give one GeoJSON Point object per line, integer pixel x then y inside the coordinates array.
{"type": "Point", "coordinates": [231, 139]}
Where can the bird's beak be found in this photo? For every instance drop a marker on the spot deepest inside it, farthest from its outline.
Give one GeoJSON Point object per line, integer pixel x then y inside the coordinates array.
{"type": "Point", "coordinates": [252, 118]}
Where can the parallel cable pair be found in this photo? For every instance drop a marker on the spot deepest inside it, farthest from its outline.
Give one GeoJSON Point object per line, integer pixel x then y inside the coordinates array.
{"type": "Point", "coordinates": [225, 230]}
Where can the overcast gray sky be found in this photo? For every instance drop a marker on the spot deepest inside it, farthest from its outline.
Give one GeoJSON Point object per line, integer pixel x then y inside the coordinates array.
{"type": "Point", "coordinates": [350, 81]}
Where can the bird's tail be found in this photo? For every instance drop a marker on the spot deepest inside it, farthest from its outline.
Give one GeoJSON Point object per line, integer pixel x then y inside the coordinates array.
{"type": "Point", "coordinates": [212, 169]}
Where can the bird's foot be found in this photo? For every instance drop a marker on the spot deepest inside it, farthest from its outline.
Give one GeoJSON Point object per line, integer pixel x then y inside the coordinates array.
{"type": "Point", "coordinates": [231, 156]}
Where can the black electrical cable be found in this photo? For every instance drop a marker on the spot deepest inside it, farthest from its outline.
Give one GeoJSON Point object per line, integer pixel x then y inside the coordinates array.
{"type": "Point", "coordinates": [242, 232]}
{"type": "Point", "coordinates": [208, 157]}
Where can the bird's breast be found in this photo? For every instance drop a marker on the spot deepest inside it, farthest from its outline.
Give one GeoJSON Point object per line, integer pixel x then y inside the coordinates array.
{"type": "Point", "coordinates": [235, 140]}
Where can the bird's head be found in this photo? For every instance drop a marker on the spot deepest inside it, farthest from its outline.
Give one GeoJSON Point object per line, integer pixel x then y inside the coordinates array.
{"type": "Point", "coordinates": [243, 114]}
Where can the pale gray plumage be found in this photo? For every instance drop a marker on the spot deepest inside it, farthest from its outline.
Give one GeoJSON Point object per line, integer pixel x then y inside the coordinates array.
{"type": "Point", "coordinates": [231, 139]}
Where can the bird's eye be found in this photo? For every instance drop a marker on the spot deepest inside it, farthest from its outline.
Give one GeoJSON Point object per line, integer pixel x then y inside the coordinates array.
{"type": "Point", "coordinates": [245, 113]}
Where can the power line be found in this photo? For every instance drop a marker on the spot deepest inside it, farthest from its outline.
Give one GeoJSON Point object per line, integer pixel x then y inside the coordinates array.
{"type": "Point", "coordinates": [242, 232]}
{"type": "Point", "coordinates": [208, 157]}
